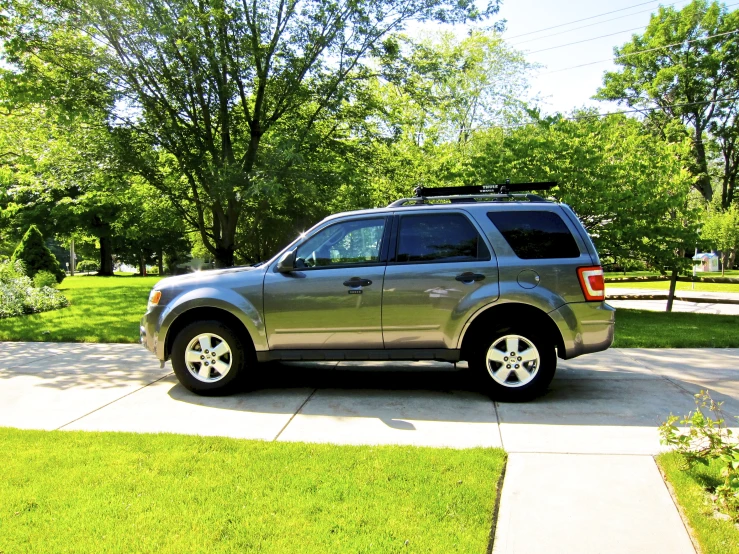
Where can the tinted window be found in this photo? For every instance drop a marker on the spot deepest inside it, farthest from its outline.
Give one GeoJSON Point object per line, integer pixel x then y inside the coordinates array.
{"type": "Point", "coordinates": [536, 235]}
{"type": "Point", "coordinates": [350, 242]}
{"type": "Point", "coordinates": [439, 238]}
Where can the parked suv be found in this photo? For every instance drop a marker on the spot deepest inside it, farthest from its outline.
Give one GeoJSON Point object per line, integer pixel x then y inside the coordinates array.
{"type": "Point", "coordinates": [505, 282]}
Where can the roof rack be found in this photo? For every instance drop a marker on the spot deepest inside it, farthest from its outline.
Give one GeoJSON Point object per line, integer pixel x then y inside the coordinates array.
{"type": "Point", "coordinates": [475, 193]}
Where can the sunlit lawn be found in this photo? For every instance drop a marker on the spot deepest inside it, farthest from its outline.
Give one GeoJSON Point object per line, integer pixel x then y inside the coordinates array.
{"type": "Point", "coordinates": [646, 329]}
{"type": "Point", "coordinates": [102, 309]}
{"type": "Point", "coordinates": [665, 286]}
{"type": "Point", "coordinates": [691, 487]}
{"type": "Point", "coordinates": [121, 492]}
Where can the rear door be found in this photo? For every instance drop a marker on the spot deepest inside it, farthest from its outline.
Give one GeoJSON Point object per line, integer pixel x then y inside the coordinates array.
{"type": "Point", "coordinates": [440, 267]}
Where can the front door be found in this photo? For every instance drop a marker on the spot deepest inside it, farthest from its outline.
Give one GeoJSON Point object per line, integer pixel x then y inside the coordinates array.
{"type": "Point", "coordinates": [333, 300]}
{"type": "Point", "coordinates": [442, 268]}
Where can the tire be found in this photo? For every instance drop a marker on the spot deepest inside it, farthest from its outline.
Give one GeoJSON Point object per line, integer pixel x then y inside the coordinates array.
{"type": "Point", "coordinates": [529, 372]}
{"type": "Point", "coordinates": [215, 345]}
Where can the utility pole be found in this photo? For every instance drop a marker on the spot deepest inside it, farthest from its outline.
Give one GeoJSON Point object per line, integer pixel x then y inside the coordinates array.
{"type": "Point", "coordinates": [71, 258]}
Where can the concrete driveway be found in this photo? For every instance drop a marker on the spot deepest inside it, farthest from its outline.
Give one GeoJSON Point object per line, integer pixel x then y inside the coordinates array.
{"type": "Point", "coordinates": [580, 458]}
{"type": "Point", "coordinates": [605, 403]}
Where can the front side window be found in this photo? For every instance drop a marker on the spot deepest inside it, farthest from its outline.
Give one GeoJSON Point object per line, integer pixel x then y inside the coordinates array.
{"type": "Point", "coordinates": [536, 235]}
{"type": "Point", "coordinates": [349, 242]}
{"type": "Point", "coordinates": [439, 238]}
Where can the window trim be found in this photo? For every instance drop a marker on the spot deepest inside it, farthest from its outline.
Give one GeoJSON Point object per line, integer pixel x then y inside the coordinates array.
{"type": "Point", "coordinates": [395, 241]}
{"type": "Point", "coordinates": [383, 249]}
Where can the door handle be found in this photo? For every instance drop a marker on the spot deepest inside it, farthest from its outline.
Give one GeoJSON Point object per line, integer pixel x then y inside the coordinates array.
{"type": "Point", "coordinates": [357, 282]}
{"type": "Point", "coordinates": [468, 277]}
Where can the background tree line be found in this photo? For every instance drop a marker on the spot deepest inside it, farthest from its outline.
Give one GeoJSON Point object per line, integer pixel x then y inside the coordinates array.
{"type": "Point", "coordinates": [149, 130]}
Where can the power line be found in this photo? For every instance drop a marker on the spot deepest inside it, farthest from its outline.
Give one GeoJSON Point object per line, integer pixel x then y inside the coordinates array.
{"type": "Point", "coordinates": [641, 52]}
{"type": "Point", "coordinates": [606, 114]}
{"type": "Point", "coordinates": [586, 40]}
{"type": "Point", "coordinates": [590, 25]}
{"type": "Point", "coordinates": [579, 20]}
{"type": "Point", "coordinates": [605, 21]}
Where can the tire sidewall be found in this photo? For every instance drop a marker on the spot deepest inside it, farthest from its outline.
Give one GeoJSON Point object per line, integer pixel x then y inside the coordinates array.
{"type": "Point", "coordinates": [239, 357]}
{"type": "Point", "coordinates": [540, 383]}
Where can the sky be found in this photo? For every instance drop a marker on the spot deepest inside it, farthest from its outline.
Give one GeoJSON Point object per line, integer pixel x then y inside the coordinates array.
{"type": "Point", "coordinates": [544, 29]}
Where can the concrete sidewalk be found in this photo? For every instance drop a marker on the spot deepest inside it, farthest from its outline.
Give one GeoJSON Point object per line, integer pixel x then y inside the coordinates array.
{"type": "Point", "coordinates": [699, 302]}
{"type": "Point", "coordinates": [580, 457]}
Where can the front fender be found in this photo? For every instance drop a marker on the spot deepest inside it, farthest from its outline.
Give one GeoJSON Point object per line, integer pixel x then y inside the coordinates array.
{"type": "Point", "coordinates": [211, 297]}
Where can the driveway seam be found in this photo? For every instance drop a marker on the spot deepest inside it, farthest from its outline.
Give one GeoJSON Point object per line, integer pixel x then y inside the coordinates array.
{"type": "Point", "coordinates": [289, 421]}
{"type": "Point", "coordinates": [497, 420]}
{"type": "Point", "coordinates": [113, 401]}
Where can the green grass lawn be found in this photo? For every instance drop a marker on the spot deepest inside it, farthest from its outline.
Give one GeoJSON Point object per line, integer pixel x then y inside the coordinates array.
{"type": "Point", "coordinates": [715, 536]}
{"type": "Point", "coordinates": [665, 286]}
{"type": "Point", "coordinates": [644, 329]}
{"type": "Point", "coordinates": [102, 309]}
{"type": "Point", "coordinates": [122, 492]}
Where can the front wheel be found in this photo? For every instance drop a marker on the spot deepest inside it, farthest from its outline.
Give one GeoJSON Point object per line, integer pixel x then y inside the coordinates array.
{"type": "Point", "coordinates": [209, 358]}
{"type": "Point", "coordinates": [514, 365]}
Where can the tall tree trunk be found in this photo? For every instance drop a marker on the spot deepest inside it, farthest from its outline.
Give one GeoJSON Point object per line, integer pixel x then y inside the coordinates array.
{"type": "Point", "coordinates": [142, 265]}
{"type": "Point", "coordinates": [703, 181]}
{"type": "Point", "coordinates": [673, 285]}
{"type": "Point", "coordinates": [160, 262]}
{"type": "Point", "coordinates": [106, 256]}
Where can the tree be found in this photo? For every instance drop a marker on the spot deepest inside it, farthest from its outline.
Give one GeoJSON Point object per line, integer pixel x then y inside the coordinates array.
{"type": "Point", "coordinates": [686, 66]}
{"type": "Point", "coordinates": [36, 256]}
{"type": "Point", "coordinates": [206, 82]}
{"type": "Point", "coordinates": [629, 188]}
{"type": "Point", "coordinates": [721, 230]}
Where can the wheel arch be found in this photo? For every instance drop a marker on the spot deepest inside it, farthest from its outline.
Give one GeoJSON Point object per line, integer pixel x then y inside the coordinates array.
{"type": "Point", "coordinates": [513, 313]}
{"type": "Point", "coordinates": [204, 313]}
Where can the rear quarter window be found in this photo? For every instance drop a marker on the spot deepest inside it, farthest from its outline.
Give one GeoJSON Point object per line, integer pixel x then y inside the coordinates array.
{"type": "Point", "coordinates": [536, 235]}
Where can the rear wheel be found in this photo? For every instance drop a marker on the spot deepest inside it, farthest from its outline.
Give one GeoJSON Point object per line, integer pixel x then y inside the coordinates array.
{"type": "Point", "coordinates": [514, 364]}
{"type": "Point", "coordinates": [209, 358]}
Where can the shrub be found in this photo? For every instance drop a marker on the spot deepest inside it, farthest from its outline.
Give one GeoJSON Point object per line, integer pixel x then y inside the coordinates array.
{"type": "Point", "coordinates": [18, 295]}
{"type": "Point", "coordinates": [36, 256]}
{"type": "Point", "coordinates": [707, 438]}
{"type": "Point", "coordinates": [88, 265]}
{"type": "Point", "coordinates": [44, 279]}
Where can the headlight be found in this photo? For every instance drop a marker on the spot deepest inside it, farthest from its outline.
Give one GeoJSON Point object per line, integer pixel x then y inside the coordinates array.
{"type": "Point", "coordinates": [154, 297]}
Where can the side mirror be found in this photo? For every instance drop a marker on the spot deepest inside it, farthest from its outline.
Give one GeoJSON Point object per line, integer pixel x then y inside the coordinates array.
{"type": "Point", "coordinates": [287, 262]}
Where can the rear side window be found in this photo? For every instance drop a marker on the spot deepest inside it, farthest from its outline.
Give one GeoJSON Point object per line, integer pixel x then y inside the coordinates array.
{"type": "Point", "coordinates": [535, 235]}
{"type": "Point", "coordinates": [439, 238]}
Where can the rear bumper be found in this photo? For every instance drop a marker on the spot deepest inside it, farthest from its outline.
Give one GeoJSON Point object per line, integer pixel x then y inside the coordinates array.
{"type": "Point", "coordinates": [585, 327]}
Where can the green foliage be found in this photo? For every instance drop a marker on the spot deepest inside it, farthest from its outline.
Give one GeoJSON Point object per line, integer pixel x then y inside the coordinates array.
{"type": "Point", "coordinates": [685, 58]}
{"type": "Point", "coordinates": [18, 295]}
{"type": "Point", "coordinates": [88, 265]}
{"type": "Point", "coordinates": [36, 256]}
{"type": "Point", "coordinates": [44, 279]}
{"type": "Point", "coordinates": [628, 187]}
{"type": "Point", "coordinates": [707, 439]}
{"type": "Point", "coordinates": [721, 231]}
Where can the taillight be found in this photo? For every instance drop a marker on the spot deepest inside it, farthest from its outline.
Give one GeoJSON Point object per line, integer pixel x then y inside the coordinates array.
{"type": "Point", "coordinates": [592, 283]}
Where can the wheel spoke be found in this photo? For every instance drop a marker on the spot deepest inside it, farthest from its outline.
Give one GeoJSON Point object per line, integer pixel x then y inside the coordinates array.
{"type": "Point", "coordinates": [204, 371]}
{"type": "Point", "coordinates": [204, 342]}
{"type": "Point", "coordinates": [528, 355]}
{"type": "Point", "coordinates": [220, 367]}
{"type": "Point", "coordinates": [193, 356]}
{"type": "Point", "coordinates": [496, 355]}
{"type": "Point", "coordinates": [502, 374]}
{"type": "Point", "coordinates": [522, 374]}
{"type": "Point", "coordinates": [221, 349]}
{"type": "Point", "coordinates": [511, 344]}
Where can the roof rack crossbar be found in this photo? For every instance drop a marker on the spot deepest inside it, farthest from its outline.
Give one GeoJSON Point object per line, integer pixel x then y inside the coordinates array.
{"type": "Point", "coordinates": [501, 188]}
{"type": "Point", "coordinates": [420, 200]}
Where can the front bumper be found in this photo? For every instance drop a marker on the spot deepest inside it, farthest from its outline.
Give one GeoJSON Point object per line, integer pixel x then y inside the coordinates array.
{"type": "Point", "coordinates": [585, 327]}
{"type": "Point", "coordinates": [148, 332]}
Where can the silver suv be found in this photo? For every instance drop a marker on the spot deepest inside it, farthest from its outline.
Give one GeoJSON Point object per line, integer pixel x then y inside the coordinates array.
{"type": "Point", "coordinates": [506, 282]}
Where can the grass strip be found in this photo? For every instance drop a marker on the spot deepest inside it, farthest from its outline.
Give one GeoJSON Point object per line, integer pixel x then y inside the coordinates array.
{"type": "Point", "coordinates": [665, 286]}
{"type": "Point", "coordinates": [715, 536]}
{"type": "Point", "coordinates": [102, 309]}
{"type": "Point", "coordinates": [122, 492]}
{"type": "Point", "coordinates": [645, 329]}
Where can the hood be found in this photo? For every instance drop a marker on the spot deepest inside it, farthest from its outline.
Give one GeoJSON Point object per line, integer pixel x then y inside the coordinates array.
{"type": "Point", "coordinates": [202, 276]}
